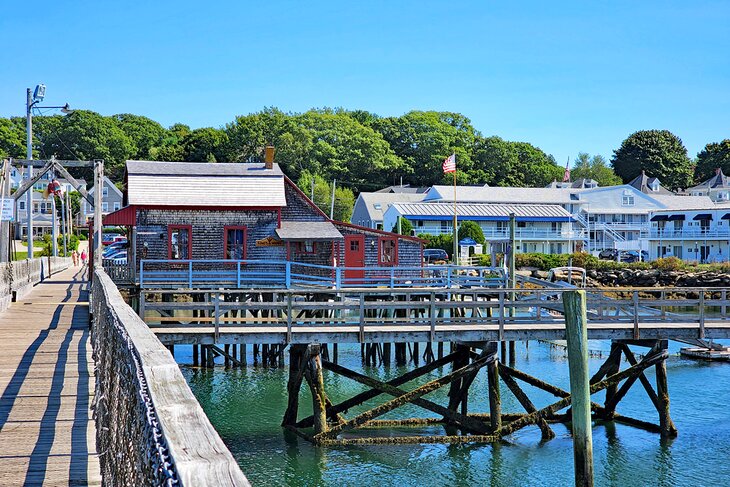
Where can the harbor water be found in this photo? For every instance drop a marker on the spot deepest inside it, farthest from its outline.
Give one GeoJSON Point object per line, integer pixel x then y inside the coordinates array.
{"type": "Point", "coordinates": [246, 407]}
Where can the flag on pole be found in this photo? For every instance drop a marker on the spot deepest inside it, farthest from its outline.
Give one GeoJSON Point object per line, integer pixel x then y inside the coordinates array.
{"type": "Point", "coordinates": [566, 175]}
{"type": "Point", "coordinates": [449, 164]}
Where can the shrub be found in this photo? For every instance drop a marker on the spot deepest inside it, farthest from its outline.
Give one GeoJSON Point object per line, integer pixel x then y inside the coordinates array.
{"type": "Point", "coordinates": [669, 264]}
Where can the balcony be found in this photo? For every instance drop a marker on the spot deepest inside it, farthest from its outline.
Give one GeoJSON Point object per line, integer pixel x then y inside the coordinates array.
{"type": "Point", "coordinates": [520, 233]}
{"type": "Point", "coordinates": [690, 233]}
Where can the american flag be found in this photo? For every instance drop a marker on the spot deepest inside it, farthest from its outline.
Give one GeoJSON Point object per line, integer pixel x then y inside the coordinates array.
{"type": "Point", "coordinates": [449, 164]}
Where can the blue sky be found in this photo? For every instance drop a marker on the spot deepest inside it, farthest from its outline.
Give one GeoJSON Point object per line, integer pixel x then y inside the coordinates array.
{"type": "Point", "coordinates": [565, 76]}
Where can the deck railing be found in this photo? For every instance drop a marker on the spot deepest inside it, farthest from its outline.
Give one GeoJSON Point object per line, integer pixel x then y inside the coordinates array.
{"type": "Point", "coordinates": [19, 276]}
{"type": "Point", "coordinates": [252, 274]}
{"type": "Point", "coordinates": [150, 428]}
{"type": "Point", "coordinates": [352, 310]}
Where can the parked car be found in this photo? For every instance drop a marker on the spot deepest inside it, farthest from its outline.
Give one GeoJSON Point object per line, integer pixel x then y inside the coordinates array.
{"type": "Point", "coordinates": [114, 247]}
{"type": "Point", "coordinates": [107, 238]}
{"type": "Point", "coordinates": [608, 254]}
{"type": "Point", "coordinates": [435, 256]}
{"type": "Point", "coordinates": [115, 254]}
{"type": "Point", "coordinates": [633, 256]}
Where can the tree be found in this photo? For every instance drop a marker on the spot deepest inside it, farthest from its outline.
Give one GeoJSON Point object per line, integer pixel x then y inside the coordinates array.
{"type": "Point", "coordinates": [144, 132]}
{"type": "Point", "coordinates": [595, 168]}
{"type": "Point", "coordinates": [12, 139]}
{"type": "Point", "coordinates": [507, 163]}
{"type": "Point", "coordinates": [424, 139]}
{"type": "Point", "coordinates": [470, 229]}
{"type": "Point", "coordinates": [85, 135]}
{"type": "Point", "coordinates": [322, 192]}
{"type": "Point", "coordinates": [714, 155]}
{"type": "Point", "coordinates": [658, 152]}
{"type": "Point", "coordinates": [204, 145]}
{"type": "Point", "coordinates": [406, 227]}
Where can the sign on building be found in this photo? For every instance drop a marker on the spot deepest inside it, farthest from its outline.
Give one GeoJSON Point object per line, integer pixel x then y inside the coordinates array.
{"type": "Point", "coordinates": [8, 207]}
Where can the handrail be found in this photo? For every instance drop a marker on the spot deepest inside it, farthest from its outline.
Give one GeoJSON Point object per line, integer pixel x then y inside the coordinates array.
{"type": "Point", "coordinates": [150, 427]}
{"type": "Point", "coordinates": [216, 273]}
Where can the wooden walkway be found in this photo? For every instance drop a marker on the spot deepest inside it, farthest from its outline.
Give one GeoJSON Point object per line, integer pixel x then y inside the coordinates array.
{"type": "Point", "coordinates": [47, 434]}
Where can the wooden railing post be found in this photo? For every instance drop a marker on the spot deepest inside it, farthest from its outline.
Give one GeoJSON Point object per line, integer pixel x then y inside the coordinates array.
{"type": "Point", "coordinates": [190, 274]}
{"type": "Point", "coordinates": [576, 334]}
{"type": "Point", "coordinates": [288, 317]}
{"type": "Point", "coordinates": [287, 275]}
{"type": "Point", "coordinates": [702, 313]}
{"type": "Point", "coordinates": [432, 315]}
{"type": "Point", "coordinates": [635, 298]}
{"type": "Point", "coordinates": [338, 278]}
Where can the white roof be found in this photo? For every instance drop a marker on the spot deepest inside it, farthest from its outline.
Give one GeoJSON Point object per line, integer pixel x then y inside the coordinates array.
{"type": "Point", "coordinates": [681, 202]}
{"type": "Point", "coordinates": [482, 211]}
{"type": "Point", "coordinates": [498, 194]}
{"type": "Point", "coordinates": [384, 200]}
{"type": "Point", "coordinates": [204, 184]}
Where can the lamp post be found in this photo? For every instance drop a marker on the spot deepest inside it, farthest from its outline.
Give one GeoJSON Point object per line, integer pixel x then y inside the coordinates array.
{"type": "Point", "coordinates": [31, 101]}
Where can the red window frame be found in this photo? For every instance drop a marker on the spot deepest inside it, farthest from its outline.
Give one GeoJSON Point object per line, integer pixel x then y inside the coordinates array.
{"type": "Point", "coordinates": [225, 239]}
{"type": "Point", "coordinates": [170, 229]}
{"type": "Point", "coordinates": [300, 248]}
{"type": "Point", "coordinates": [380, 251]}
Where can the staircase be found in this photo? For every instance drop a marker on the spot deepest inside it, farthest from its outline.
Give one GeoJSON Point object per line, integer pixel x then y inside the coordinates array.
{"type": "Point", "coordinates": [612, 235]}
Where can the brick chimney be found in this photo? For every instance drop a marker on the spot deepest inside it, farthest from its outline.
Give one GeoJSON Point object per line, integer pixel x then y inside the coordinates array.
{"type": "Point", "coordinates": [269, 157]}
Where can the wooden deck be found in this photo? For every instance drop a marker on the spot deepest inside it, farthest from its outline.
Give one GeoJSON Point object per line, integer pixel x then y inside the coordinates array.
{"type": "Point", "coordinates": [47, 434]}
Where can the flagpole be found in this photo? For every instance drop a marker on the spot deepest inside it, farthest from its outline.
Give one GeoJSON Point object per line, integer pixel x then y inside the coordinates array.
{"type": "Point", "coordinates": [456, 232]}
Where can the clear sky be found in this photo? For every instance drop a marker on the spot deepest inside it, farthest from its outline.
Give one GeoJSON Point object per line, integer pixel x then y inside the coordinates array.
{"type": "Point", "coordinates": [565, 76]}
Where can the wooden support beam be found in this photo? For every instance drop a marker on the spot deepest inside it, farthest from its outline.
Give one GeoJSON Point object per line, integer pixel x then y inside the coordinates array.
{"type": "Point", "coordinates": [511, 383]}
{"type": "Point", "coordinates": [297, 361]}
{"type": "Point", "coordinates": [315, 379]}
{"type": "Point", "coordinates": [455, 390]}
{"type": "Point", "coordinates": [344, 406]}
{"type": "Point", "coordinates": [495, 401]}
{"type": "Point", "coordinates": [642, 378]}
{"type": "Point", "coordinates": [462, 419]}
{"type": "Point", "coordinates": [402, 398]}
{"type": "Point", "coordinates": [225, 354]}
{"type": "Point", "coordinates": [666, 425]}
{"type": "Point", "coordinates": [576, 334]}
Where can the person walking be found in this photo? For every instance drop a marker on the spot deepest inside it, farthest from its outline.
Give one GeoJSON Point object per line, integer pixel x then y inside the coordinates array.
{"type": "Point", "coordinates": [84, 256]}
{"type": "Point", "coordinates": [75, 258]}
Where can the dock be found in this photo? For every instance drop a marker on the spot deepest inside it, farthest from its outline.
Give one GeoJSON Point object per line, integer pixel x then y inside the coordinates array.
{"type": "Point", "coordinates": [47, 433]}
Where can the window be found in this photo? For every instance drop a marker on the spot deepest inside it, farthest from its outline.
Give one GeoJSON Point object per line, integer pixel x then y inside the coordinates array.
{"type": "Point", "coordinates": [21, 205]}
{"type": "Point", "coordinates": [104, 191]}
{"type": "Point", "coordinates": [377, 206]}
{"type": "Point", "coordinates": [116, 206]}
{"type": "Point", "coordinates": [235, 242]}
{"type": "Point", "coordinates": [179, 242]}
{"type": "Point", "coordinates": [308, 247]}
{"type": "Point", "coordinates": [104, 206]}
{"type": "Point", "coordinates": [521, 224]}
{"type": "Point", "coordinates": [388, 251]}
{"type": "Point", "coordinates": [627, 200]}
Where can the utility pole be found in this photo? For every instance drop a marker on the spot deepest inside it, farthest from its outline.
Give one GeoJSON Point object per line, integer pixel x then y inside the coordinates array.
{"type": "Point", "coordinates": [332, 204]}
{"type": "Point", "coordinates": [29, 154]}
{"type": "Point", "coordinates": [64, 230]}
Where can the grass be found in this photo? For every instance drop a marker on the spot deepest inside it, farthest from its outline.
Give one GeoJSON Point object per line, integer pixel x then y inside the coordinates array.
{"type": "Point", "coordinates": [23, 254]}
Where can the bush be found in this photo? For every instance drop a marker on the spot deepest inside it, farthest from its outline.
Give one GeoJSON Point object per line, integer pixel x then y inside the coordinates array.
{"type": "Point", "coordinates": [669, 264]}
{"type": "Point", "coordinates": [445, 242]}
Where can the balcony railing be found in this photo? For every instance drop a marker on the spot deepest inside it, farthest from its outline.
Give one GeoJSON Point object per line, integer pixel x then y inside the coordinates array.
{"type": "Point", "coordinates": [520, 234]}
{"type": "Point", "coordinates": [699, 233]}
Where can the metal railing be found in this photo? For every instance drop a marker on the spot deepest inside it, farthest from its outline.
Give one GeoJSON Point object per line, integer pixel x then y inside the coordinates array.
{"type": "Point", "coordinates": [245, 274]}
{"type": "Point", "coordinates": [697, 233]}
{"type": "Point", "coordinates": [150, 428]}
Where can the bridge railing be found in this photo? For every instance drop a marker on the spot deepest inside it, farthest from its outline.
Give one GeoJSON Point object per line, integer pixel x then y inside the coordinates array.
{"type": "Point", "coordinates": [150, 428]}
{"type": "Point", "coordinates": [253, 274]}
{"type": "Point", "coordinates": [19, 276]}
{"type": "Point", "coordinates": [299, 310]}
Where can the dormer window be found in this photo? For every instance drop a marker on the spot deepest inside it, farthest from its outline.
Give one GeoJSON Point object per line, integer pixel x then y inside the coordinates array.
{"type": "Point", "coordinates": [722, 195]}
{"type": "Point", "coordinates": [378, 206]}
{"type": "Point", "coordinates": [627, 199]}
{"type": "Point", "coordinates": [654, 185]}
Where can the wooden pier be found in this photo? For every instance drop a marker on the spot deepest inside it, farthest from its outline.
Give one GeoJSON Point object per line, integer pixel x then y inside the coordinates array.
{"type": "Point", "coordinates": [47, 434]}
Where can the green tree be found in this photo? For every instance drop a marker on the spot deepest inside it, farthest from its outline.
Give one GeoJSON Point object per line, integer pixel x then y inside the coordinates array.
{"type": "Point", "coordinates": [171, 146]}
{"type": "Point", "coordinates": [424, 139]}
{"type": "Point", "coordinates": [12, 139]}
{"type": "Point", "coordinates": [714, 155]}
{"type": "Point", "coordinates": [470, 229]}
{"type": "Point", "coordinates": [658, 152]}
{"type": "Point", "coordinates": [406, 227]}
{"type": "Point", "coordinates": [595, 168]}
{"type": "Point", "coordinates": [321, 195]}
{"type": "Point", "coordinates": [144, 133]}
{"type": "Point", "coordinates": [85, 135]}
{"type": "Point", "coordinates": [507, 163]}
{"type": "Point", "coordinates": [204, 144]}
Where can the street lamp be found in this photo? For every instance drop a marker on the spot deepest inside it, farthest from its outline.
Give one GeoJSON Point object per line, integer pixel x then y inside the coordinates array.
{"type": "Point", "coordinates": [32, 100]}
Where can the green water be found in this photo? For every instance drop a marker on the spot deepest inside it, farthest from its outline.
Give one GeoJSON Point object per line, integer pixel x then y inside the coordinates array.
{"type": "Point", "coordinates": [246, 407]}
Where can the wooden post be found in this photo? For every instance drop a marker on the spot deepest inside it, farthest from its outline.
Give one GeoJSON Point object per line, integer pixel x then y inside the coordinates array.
{"type": "Point", "coordinates": [313, 374]}
{"type": "Point", "coordinates": [668, 430]}
{"type": "Point", "coordinates": [576, 334]}
{"type": "Point", "coordinates": [495, 402]}
{"type": "Point", "coordinates": [227, 350]}
{"type": "Point", "coordinates": [195, 355]}
{"type": "Point", "coordinates": [613, 367]}
{"type": "Point", "coordinates": [297, 360]}
{"type": "Point", "coordinates": [512, 357]}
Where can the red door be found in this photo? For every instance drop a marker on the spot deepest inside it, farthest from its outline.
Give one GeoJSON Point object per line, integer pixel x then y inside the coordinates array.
{"type": "Point", "coordinates": [354, 257]}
